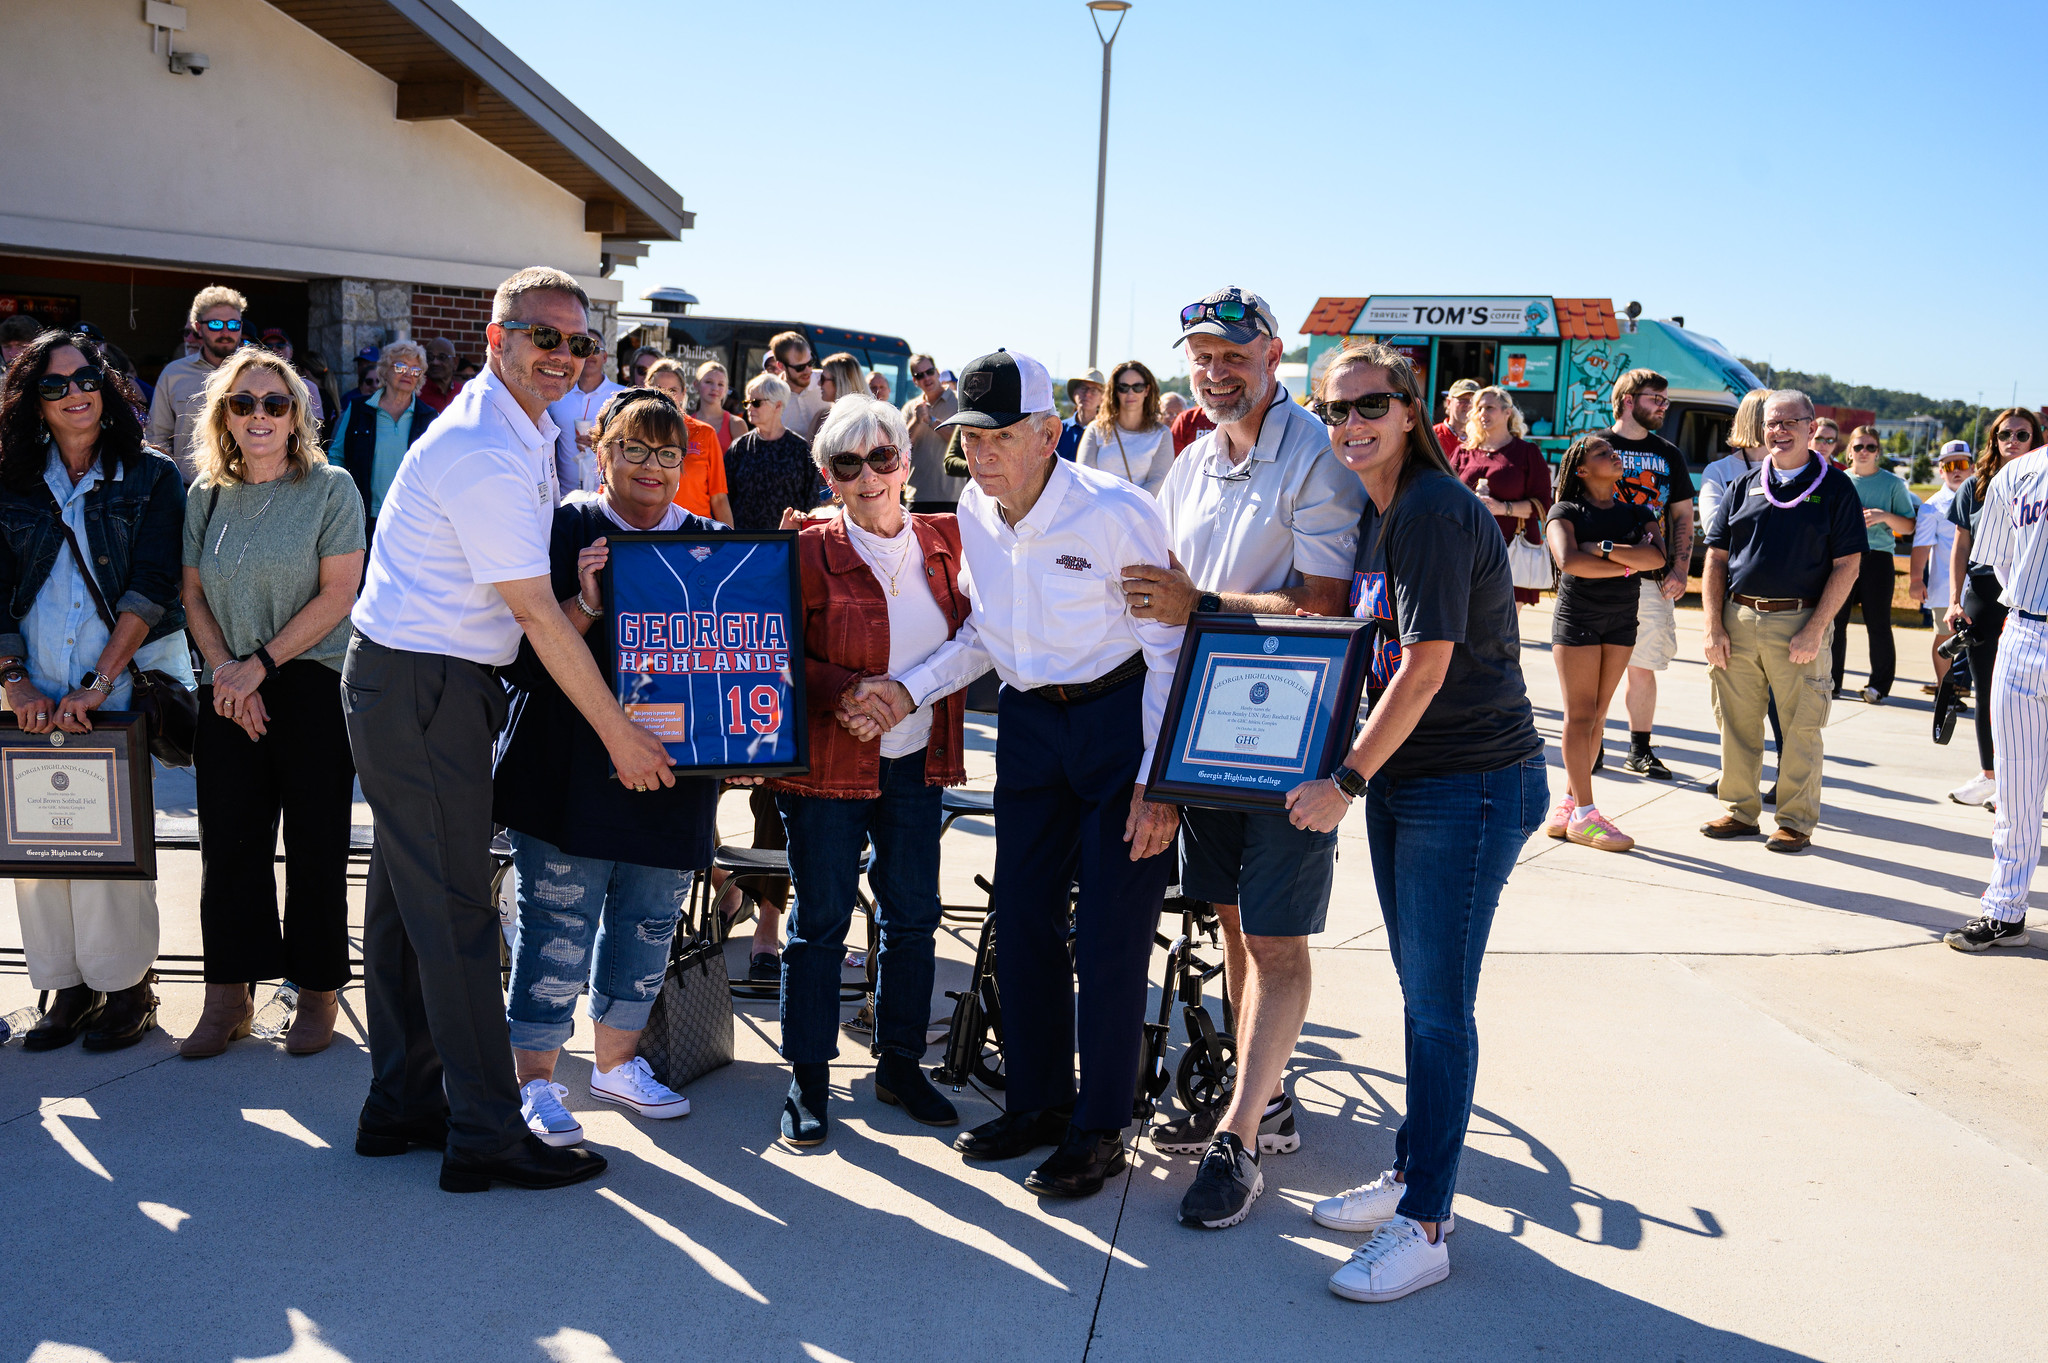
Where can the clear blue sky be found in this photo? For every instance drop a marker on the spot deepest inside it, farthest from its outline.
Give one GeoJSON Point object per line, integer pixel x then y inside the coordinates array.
{"type": "Point", "coordinates": [1848, 189]}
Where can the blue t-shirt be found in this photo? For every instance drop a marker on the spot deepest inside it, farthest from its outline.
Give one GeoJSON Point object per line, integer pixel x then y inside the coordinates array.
{"type": "Point", "coordinates": [1884, 491]}
{"type": "Point", "coordinates": [1787, 551]}
{"type": "Point", "coordinates": [1435, 568]}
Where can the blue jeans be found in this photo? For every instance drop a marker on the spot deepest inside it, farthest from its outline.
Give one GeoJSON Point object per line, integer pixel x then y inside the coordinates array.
{"type": "Point", "coordinates": [1442, 847]}
{"type": "Point", "coordinates": [825, 842]}
{"type": "Point", "coordinates": [569, 904]}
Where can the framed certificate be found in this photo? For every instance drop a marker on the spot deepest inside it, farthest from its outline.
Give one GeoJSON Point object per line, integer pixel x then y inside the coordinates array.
{"type": "Point", "coordinates": [1260, 704]}
{"type": "Point", "coordinates": [707, 647]}
{"type": "Point", "coordinates": [77, 806]}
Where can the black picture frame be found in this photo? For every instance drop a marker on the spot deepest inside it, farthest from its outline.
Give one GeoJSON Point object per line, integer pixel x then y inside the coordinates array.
{"type": "Point", "coordinates": [783, 591]}
{"type": "Point", "coordinates": [40, 789]}
{"type": "Point", "coordinates": [1329, 652]}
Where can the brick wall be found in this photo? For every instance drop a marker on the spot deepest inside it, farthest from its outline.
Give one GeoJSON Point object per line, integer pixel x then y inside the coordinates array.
{"type": "Point", "coordinates": [458, 314]}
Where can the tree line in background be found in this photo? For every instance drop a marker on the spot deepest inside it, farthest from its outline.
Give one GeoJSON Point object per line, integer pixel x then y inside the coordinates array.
{"type": "Point", "coordinates": [1959, 420]}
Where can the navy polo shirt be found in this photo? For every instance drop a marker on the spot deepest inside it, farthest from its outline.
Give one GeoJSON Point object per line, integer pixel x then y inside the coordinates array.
{"type": "Point", "coordinates": [1787, 551]}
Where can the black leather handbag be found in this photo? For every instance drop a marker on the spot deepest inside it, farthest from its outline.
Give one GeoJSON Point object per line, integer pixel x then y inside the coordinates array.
{"type": "Point", "coordinates": [690, 1029]}
{"type": "Point", "coordinates": [170, 707]}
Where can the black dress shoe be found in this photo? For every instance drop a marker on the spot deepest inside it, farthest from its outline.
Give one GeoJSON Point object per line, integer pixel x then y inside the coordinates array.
{"type": "Point", "coordinates": [1081, 1164]}
{"type": "Point", "coordinates": [900, 1082]}
{"type": "Point", "coordinates": [73, 1010]}
{"type": "Point", "coordinates": [803, 1110]}
{"type": "Point", "coordinates": [378, 1138]}
{"type": "Point", "coordinates": [130, 1014]}
{"type": "Point", "coordinates": [764, 967]}
{"type": "Point", "coordinates": [530, 1164]}
{"type": "Point", "coordinates": [1015, 1133]}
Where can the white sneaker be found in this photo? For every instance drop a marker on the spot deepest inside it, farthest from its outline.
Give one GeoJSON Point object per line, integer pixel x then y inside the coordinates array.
{"type": "Point", "coordinates": [540, 1102]}
{"type": "Point", "coordinates": [1397, 1260]}
{"type": "Point", "coordinates": [1974, 791]}
{"type": "Point", "coordinates": [1368, 1207]}
{"type": "Point", "coordinates": [634, 1085]}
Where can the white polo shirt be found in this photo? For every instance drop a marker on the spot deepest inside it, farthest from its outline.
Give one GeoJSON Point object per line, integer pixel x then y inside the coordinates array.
{"type": "Point", "coordinates": [472, 505]}
{"type": "Point", "coordinates": [576, 467]}
{"type": "Point", "coordinates": [1048, 596]}
{"type": "Point", "coordinates": [1286, 510]}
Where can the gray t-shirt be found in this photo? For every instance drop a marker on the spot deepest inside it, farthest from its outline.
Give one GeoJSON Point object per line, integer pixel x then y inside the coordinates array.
{"type": "Point", "coordinates": [259, 557]}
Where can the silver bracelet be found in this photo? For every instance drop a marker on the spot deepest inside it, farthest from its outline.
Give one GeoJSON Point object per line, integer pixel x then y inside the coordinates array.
{"type": "Point", "coordinates": [584, 606]}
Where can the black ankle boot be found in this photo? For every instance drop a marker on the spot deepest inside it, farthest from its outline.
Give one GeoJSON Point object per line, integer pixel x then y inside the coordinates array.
{"type": "Point", "coordinates": [901, 1082]}
{"type": "Point", "coordinates": [803, 1111]}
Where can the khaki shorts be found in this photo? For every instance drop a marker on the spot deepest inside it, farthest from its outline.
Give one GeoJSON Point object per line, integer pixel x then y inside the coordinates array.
{"type": "Point", "coordinates": [1656, 629]}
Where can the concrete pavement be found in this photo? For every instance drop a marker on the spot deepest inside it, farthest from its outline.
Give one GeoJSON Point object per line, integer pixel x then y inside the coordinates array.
{"type": "Point", "coordinates": [1716, 1083]}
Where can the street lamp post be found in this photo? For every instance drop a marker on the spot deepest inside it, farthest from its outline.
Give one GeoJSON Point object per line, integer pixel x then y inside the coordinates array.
{"type": "Point", "coordinates": [1097, 8]}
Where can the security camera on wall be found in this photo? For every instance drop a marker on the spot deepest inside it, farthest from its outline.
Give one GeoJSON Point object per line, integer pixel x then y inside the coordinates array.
{"type": "Point", "coordinates": [190, 63]}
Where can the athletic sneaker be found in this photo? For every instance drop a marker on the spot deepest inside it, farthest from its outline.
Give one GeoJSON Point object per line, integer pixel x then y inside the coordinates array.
{"type": "Point", "coordinates": [1226, 1185]}
{"type": "Point", "coordinates": [1397, 1260]}
{"type": "Point", "coordinates": [1646, 763]}
{"type": "Point", "coordinates": [1870, 695]}
{"type": "Point", "coordinates": [1974, 791]}
{"type": "Point", "coordinates": [1598, 831]}
{"type": "Point", "coordinates": [1368, 1207]}
{"type": "Point", "coordinates": [1560, 817]}
{"type": "Point", "coordinates": [1983, 933]}
{"type": "Point", "coordinates": [634, 1085]}
{"type": "Point", "coordinates": [540, 1102]}
{"type": "Point", "coordinates": [1190, 1135]}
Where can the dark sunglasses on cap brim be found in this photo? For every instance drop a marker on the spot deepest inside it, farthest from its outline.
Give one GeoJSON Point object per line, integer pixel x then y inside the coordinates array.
{"type": "Point", "coordinates": [1230, 311]}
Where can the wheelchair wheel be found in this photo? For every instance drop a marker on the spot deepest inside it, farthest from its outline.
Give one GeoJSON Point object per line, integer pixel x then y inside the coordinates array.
{"type": "Point", "coordinates": [1208, 1068]}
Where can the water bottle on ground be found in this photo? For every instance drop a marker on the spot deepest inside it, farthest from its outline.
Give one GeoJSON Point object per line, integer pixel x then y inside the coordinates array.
{"type": "Point", "coordinates": [19, 1023]}
{"type": "Point", "coordinates": [274, 1018]}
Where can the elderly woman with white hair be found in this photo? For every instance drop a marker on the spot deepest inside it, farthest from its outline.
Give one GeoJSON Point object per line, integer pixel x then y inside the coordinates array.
{"type": "Point", "coordinates": [377, 431]}
{"type": "Point", "coordinates": [882, 592]}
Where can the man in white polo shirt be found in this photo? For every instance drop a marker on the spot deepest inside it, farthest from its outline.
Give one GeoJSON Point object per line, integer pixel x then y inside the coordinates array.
{"type": "Point", "coordinates": [1263, 520]}
{"type": "Point", "coordinates": [458, 574]}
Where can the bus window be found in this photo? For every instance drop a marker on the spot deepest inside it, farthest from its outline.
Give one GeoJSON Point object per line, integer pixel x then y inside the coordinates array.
{"type": "Point", "coordinates": [1703, 436]}
{"type": "Point", "coordinates": [891, 367]}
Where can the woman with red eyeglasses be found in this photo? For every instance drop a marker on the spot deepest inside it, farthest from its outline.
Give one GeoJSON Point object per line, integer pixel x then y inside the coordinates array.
{"type": "Point", "coordinates": [1974, 607]}
{"type": "Point", "coordinates": [882, 592]}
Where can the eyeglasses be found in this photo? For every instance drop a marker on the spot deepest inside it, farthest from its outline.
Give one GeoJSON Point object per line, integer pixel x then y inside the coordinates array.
{"type": "Point", "coordinates": [633, 452]}
{"type": "Point", "coordinates": [277, 345]}
{"type": "Point", "coordinates": [2025, 436]}
{"type": "Point", "coordinates": [1138, 387]}
{"type": "Point", "coordinates": [1819, 439]}
{"type": "Point", "coordinates": [550, 338]}
{"type": "Point", "coordinates": [274, 404]}
{"type": "Point", "coordinates": [1226, 311]}
{"type": "Point", "coordinates": [410, 371]}
{"type": "Point", "coordinates": [882, 459]}
{"type": "Point", "coordinates": [1865, 448]}
{"type": "Point", "coordinates": [1653, 399]}
{"type": "Point", "coordinates": [222, 324]}
{"type": "Point", "coordinates": [920, 375]}
{"type": "Point", "coordinates": [1795, 421]}
{"type": "Point", "coordinates": [53, 387]}
{"type": "Point", "coordinates": [1369, 406]}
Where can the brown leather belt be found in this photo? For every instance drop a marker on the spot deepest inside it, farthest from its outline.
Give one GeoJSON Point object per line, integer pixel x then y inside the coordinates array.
{"type": "Point", "coordinates": [1769, 605]}
{"type": "Point", "coordinates": [1127, 670]}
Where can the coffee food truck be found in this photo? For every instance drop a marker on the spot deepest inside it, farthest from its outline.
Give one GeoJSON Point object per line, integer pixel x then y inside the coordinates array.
{"type": "Point", "coordinates": [1558, 356]}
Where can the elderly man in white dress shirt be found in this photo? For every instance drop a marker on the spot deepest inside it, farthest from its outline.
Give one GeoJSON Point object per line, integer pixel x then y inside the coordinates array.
{"type": "Point", "coordinates": [1084, 690]}
{"type": "Point", "coordinates": [458, 574]}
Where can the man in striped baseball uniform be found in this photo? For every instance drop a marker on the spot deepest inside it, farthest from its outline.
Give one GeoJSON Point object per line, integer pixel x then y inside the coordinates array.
{"type": "Point", "coordinates": [2012, 540]}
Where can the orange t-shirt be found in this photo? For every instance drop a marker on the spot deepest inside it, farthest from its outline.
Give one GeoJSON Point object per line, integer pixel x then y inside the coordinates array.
{"type": "Point", "coordinates": [703, 469]}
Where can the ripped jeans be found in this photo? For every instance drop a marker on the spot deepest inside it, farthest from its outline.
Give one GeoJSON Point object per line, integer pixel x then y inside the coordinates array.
{"type": "Point", "coordinates": [607, 924]}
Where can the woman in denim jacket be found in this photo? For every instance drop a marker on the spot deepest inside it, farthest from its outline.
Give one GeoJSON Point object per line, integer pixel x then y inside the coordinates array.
{"type": "Point", "coordinates": [71, 455]}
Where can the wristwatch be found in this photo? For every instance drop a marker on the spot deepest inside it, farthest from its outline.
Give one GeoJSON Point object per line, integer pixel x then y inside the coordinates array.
{"type": "Point", "coordinates": [1348, 781]}
{"type": "Point", "coordinates": [1209, 603]}
{"type": "Point", "coordinates": [1607, 548]}
{"type": "Point", "coordinates": [12, 675]}
{"type": "Point", "coordinates": [97, 681]}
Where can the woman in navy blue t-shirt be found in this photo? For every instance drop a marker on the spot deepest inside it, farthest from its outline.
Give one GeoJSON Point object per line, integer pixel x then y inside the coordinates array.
{"type": "Point", "coordinates": [1451, 769]}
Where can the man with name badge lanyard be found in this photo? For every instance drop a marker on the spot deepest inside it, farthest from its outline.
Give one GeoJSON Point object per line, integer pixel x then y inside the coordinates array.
{"type": "Point", "coordinates": [2011, 539]}
{"type": "Point", "coordinates": [1264, 520]}
{"type": "Point", "coordinates": [1084, 691]}
{"type": "Point", "coordinates": [459, 571]}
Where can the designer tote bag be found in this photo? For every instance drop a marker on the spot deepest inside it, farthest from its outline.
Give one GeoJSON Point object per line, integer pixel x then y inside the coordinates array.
{"type": "Point", "coordinates": [690, 1030]}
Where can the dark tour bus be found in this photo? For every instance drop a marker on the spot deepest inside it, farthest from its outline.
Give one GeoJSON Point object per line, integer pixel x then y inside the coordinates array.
{"type": "Point", "coordinates": [740, 344]}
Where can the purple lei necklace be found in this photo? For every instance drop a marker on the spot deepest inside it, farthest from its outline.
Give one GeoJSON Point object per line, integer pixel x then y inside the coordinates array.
{"type": "Point", "coordinates": [1812, 488]}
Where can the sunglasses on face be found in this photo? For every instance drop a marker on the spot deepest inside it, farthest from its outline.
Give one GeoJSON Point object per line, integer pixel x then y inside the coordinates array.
{"type": "Point", "coordinates": [793, 368]}
{"type": "Point", "coordinates": [1137, 387]}
{"type": "Point", "coordinates": [220, 324]}
{"type": "Point", "coordinates": [1864, 449]}
{"type": "Point", "coordinates": [921, 375]}
{"type": "Point", "coordinates": [760, 402]}
{"type": "Point", "coordinates": [277, 345]}
{"type": "Point", "coordinates": [1817, 439]}
{"type": "Point", "coordinates": [244, 404]}
{"type": "Point", "coordinates": [633, 452]}
{"type": "Point", "coordinates": [1370, 406]}
{"type": "Point", "coordinates": [551, 338]}
{"type": "Point", "coordinates": [2024, 437]}
{"type": "Point", "coordinates": [406, 371]}
{"type": "Point", "coordinates": [1232, 312]}
{"type": "Point", "coordinates": [882, 459]}
{"type": "Point", "coordinates": [53, 387]}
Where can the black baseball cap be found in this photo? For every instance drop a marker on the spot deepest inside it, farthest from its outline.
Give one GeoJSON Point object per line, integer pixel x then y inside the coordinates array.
{"type": "Point", "coordinates": [1001, 389]}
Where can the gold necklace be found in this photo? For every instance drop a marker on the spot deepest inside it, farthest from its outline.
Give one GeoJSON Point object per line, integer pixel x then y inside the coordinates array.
{"type": "Point", "coordinates": [902, 557]}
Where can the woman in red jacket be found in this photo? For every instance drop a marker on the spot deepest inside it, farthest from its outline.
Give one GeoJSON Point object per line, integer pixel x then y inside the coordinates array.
{"type": "Point", "coordinates": [881, 592]}
{"type": "Point", "coordinates": [1496, 460]}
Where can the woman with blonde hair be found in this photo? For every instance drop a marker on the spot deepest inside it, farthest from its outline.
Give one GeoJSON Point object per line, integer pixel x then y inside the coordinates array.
{"type": "Point", "coordinates": [1745, 442]}
{"type": "Point", "coordinates": [702, 488]}
{"type": "Point", "coordinates": [1128, 436]}
{"type": "Point", "coordinates": [713, 383]}
{"type": "Point", "coordinates": [1496, 460]}
{"type": "Point", "coordinates": [274, 542]}
{"type": "Point", "coordinates": [839, 377]}
{"type": "Point", "coordinates": [1827, 441]}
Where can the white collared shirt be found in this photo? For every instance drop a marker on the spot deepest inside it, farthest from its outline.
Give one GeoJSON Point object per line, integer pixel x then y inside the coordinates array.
{"type": "Point", "coordinates": [1047, 595]}
{"type": "Point", "coordinates": [472, 506]}
{"type": "Point", "coordinates": [576, 467]}
{"type": "Point", "coordinates": [1286, 510]}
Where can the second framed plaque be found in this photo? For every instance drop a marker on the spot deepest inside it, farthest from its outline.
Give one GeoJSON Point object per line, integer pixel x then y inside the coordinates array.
{"type": "Point", "coordinates": [1260, 704]}
{"type": "Point", "coordinates": [77, 806]}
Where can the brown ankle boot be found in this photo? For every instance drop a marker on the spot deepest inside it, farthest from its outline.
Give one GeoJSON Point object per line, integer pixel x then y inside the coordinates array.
{"type": "Point", "coordinates": [313, 1025]}
{"type": "Point", "coordinates": [225, 1018]}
